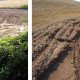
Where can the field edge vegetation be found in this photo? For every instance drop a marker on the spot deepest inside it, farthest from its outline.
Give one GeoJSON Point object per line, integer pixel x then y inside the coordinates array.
{"type": "Point", "coordinates": [14, 57]}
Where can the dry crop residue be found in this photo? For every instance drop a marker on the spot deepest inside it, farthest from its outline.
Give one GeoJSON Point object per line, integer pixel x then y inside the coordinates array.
{"type": "Point", "coordinates": [56, 51]}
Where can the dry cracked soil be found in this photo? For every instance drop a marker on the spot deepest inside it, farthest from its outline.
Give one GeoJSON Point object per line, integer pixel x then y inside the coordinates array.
{"type": "Point", "coordinates": [56, 40]}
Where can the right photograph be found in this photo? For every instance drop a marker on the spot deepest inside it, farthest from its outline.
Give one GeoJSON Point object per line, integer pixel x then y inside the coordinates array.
{"type": "Point", "coordinates": [56, 40]}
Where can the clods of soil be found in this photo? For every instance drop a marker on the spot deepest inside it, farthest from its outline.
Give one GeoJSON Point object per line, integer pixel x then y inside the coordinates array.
{"type": "Point", "coordinates": [56, 51]}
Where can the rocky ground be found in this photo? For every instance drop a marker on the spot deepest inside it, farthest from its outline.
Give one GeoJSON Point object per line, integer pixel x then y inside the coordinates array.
{"type": "Point", "coordinates": [56, 40]}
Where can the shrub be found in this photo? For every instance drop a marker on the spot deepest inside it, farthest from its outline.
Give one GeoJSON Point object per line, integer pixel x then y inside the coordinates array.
{"type": "Point", "coordinates": [24, 6]}
{"type": "Point", "coordinates": [14, 58]}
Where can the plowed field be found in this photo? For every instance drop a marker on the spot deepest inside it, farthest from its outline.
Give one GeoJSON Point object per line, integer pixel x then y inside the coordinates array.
{"type": "Point", "coordinates": [56, 51]}
{"type": "Point", "coordinates": [12, 21]}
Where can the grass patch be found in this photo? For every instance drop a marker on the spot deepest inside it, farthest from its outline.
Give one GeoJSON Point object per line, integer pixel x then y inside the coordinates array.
{"type": "Point", "coordinates": [24, 6]}
{"type": "Point", "coordinates": [14, 57]}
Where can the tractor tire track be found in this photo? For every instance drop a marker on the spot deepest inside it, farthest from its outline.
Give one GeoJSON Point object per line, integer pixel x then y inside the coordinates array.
{"type": "Point", "coordinates": [54, 51]}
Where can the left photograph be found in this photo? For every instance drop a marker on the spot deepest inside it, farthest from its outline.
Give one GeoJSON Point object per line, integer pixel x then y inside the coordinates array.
{"type": "Point", "coordinates": [13, 39]}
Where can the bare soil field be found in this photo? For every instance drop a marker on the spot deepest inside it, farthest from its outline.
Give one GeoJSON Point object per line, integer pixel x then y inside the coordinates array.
{"type": "Point", "coordinates": [12, 21]}
{"type": "Point", "coordinates": [56, 51]}
{"type": "Point", "coordinates": [56, 40]}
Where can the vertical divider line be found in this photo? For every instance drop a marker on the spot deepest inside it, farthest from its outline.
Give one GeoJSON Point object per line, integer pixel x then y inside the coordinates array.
{"type": "Point", "coordinates": [29, 39]}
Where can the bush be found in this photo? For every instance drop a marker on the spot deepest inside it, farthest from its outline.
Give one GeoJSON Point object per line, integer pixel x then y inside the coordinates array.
{"type": "Point", "coordinates": [14, 58]}
{"type": "Point", "coordinates": [24, 6]}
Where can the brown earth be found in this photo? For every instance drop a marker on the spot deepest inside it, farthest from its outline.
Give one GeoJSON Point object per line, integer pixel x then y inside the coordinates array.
{"type": "Point", "coordinates": [56, 51]}
{"type": "Point", "coordinates": [50, 11]}
{"type": "Point", "coordinates": [56, 40]}
{"type": "Point", "coordinates": [12, 21]}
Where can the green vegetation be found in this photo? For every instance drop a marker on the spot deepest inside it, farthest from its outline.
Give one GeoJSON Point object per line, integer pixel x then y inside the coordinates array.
{"type": "Point", "coordinates": [24, 6]}
{"type": "Point", "coordinates": [14, 58]}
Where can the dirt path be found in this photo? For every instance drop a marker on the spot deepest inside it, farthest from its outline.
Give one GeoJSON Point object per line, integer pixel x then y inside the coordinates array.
{"type": "Point", "coordinates": [12, 21]}
{"type": "Point", "coordinates": [56, 51]}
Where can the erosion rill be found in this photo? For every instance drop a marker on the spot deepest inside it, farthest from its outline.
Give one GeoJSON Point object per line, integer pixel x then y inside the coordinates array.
{"type": "Point", "coordinates": [52, 45]}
